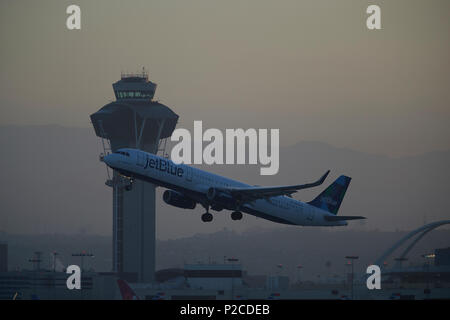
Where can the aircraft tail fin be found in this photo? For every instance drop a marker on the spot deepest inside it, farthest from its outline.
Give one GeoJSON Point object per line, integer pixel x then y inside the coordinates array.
{"type": "Point", "coordinates": [126, 291]}
{"type": "Point", "coordinates": [331, 198]}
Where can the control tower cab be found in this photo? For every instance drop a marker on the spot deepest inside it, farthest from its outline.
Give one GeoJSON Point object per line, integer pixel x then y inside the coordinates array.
{"type": "Point", "coordinates": [134, 87]}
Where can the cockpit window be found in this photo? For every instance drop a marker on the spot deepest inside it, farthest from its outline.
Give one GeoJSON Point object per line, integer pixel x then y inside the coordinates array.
{"type": "Point", "coordinates": [123, 153]}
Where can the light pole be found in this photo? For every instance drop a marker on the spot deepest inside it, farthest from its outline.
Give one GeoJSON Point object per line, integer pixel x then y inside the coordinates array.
{"type": "Point", "coordinates": [299, 267]}
{"type": "Point", "coordinates": [328, 266]}
{"type": "Point", "coordinates": [400, 260]}
{"type": "Point", "coordinates": [427, 258]}
{"type": "Point", "coordinates": [36, 260]}
{"type": "Point", "coordinates": [82, 255]}
{"type": "Point", "coordinates": [232, 260]}
{"type": "Point", "coordinates": [54, 260]}
{"type": "Point", "coordinates": [280, 268]}
{"type": "Point", "coordinates": [352, 259]}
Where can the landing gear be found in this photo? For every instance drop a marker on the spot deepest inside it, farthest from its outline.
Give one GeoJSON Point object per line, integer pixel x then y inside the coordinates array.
{"type": "Point", "coordinates": [236, 215]}
{"type": "Point", "coordinates": [129, 186]}
{"type": "Point", "coordinates": [207, 217]}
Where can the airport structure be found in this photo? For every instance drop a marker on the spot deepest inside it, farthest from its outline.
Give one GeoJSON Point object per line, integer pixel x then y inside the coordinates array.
{"type": "Point", "coordinates": [134, 120]}
{"type": "Point", "coordinates": [198, 281]}
{"type": "Point", "coordinates": [3, 257]}
{"type": "Point", "coordinates": [418, 233]}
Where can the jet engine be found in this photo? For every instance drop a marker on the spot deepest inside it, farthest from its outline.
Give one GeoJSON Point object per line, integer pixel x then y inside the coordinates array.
{"type": "Point", "coordinates": [179, 200]}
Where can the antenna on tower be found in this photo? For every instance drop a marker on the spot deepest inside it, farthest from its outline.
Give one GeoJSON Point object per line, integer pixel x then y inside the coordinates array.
{"type": "Point", "coordinates": [36, 260]}
{"type": "Point", "coordinates": [144, 73]}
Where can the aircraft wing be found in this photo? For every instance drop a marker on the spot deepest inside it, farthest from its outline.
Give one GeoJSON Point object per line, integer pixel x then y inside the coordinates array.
{"type": "Point", "coordinates": [253, 193]}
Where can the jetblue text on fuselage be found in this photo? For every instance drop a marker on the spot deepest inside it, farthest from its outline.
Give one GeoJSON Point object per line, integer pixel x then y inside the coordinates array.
{"type": "Point", "coordinates": [237, 139]}
{"type": "Point", "coordinates": [165, 166]}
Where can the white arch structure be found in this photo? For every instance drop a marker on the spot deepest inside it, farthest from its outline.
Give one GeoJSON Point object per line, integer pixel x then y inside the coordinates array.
{"type": "Point", "coordinates": [423, 230]}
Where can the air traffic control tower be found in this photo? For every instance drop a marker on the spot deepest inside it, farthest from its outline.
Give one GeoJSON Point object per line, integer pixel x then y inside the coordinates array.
{"type": "Point", "coordinates": [134, 120]}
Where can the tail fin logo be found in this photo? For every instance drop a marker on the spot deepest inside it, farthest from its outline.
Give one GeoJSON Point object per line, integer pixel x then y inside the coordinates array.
{"type": "Point", "coordinates": [328, 200]}
{"type": "Point", "coordinates": [331, 198]}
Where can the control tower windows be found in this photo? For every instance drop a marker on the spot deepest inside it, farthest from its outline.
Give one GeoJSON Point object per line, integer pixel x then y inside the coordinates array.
{"type": "Point", "coordinates": [134, 94]}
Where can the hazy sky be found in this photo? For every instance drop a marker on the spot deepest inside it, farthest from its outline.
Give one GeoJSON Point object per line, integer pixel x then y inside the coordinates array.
{"type": "Point", "coordinates": [310, 68]}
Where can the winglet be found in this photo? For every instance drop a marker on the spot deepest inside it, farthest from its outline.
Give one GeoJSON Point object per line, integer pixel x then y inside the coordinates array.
{"type": "Point", "coordinates": [321, 180]}
{"type": "Point", "coordinates": [311, 185]}
{"type": "Point", "coordinates": [314, 184]}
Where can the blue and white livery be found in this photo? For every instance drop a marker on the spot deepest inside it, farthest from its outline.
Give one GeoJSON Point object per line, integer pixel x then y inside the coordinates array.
{"type": "Point", "coordinates": [189, 186]}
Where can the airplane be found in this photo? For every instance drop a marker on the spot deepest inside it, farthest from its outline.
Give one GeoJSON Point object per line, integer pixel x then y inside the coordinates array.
{"type": "Point", "coordinates": [127, 293]}
{"type": "Point", "coordinates": [188, 186]}
{"type": "Point", "coordinates": [125, 290]}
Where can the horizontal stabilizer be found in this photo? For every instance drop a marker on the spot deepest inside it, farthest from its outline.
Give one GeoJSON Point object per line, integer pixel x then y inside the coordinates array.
{"type": "Point", "coordinates": [343, 218]}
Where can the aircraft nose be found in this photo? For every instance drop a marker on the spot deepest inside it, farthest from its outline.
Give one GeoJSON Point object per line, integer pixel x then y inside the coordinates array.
{"type": "Point", "coordinates": [107, 159]}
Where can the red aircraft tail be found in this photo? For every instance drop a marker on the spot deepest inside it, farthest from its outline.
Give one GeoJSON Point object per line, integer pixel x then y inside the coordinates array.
{"type": "Point", "coordinates": [126, 291]}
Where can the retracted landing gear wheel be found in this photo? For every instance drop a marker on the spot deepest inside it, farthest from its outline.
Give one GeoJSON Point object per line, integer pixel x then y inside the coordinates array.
{"type": "Point", "coordinates": [236, 215]}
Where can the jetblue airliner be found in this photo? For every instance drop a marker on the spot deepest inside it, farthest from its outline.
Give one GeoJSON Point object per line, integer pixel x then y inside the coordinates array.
{"type": "Point", "coordinates": [189, 186]}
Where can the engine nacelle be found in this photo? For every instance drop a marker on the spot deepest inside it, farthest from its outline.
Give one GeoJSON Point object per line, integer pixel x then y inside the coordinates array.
{"type": "Point", "coordinates": [178, 200]}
